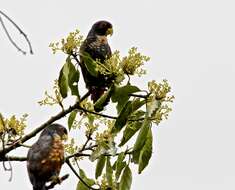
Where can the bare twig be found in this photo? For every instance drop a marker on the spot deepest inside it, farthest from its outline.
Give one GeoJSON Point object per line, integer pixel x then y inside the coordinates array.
{"type": "Point", "coordinates": [139, 96]}
{"type": "Point", "coordinates": [96, 113]}
{"type": "Point", "coordinates": [19, 29]}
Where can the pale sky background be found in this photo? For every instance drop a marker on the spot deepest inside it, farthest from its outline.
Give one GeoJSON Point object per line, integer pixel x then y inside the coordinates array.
{"type": "Point", "coordinates": [191, 43]}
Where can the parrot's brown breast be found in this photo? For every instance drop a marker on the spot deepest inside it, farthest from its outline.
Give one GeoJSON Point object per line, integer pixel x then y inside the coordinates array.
{"type": "Point", "coordinates": [55, 157]}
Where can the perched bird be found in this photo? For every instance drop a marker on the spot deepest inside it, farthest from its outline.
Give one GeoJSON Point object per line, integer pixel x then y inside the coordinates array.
{"type": "Point", "coordinates": [46, 156]}
{"type": "Point", "coordinates": [96, 45]}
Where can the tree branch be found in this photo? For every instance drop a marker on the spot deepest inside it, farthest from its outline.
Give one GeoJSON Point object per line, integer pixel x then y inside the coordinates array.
{"type": "Point", "coordinates": [19, 29]}
{"type": "Point", "coordinates": [13, 158]}
{"type": "Point", "coordinates": [96, 113]}
{"type": "Point", "coordinates": [61, 114]}
{"type": "Point", "coordinates": [59, 181]}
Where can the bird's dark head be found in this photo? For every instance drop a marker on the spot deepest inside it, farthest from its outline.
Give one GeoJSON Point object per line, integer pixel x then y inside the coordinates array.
{"type": "Point", "coordinates": [102, 28]}
{"type": "Point", "coordinates": [56, 129]}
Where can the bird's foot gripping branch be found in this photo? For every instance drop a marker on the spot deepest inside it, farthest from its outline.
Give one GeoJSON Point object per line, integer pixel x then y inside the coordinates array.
{"type": "Point", "coordinates": [116, 116]}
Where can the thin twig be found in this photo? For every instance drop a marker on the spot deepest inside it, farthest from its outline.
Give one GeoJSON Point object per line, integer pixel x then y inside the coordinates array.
{"type": "Point", "coordinates": [78, 154]}
{"type": "Point", "coordinates": [138, 96]}
{"type": "Point", "coordinates": [78, 176]}
{"type": "Point", "coordinates": [96, 113]}
{"type": "Point", "coordinates": [19, 29]}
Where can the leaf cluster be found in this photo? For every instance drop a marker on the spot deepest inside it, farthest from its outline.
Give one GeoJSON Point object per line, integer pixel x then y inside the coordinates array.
{"type": "Point", "coordinates": [12, 128]}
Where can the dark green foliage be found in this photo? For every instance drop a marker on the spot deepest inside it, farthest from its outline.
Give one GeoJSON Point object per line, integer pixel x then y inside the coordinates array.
{"type": "Point", "coordinates": [122, 94]}
{"type": "Point", "coordinates": [100, 166]}
{"type": "Point", "coordinates": [88, 181]}
{"type": "Point", "coordinates": [146, 151]}
{"type": "Point", "coordinates": [68, 79]}
{"type": "Point", "coordinates": [126, 179]}
{"type": "Point", "coordinates": [71, 118]}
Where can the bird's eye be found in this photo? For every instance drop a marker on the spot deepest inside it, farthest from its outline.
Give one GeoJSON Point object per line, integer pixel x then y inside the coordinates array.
{"type": "Point", "coordinates": [65, 131]}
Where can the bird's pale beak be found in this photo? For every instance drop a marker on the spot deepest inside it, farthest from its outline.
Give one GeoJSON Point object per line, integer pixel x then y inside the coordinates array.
{"type": "Point", "coordinates": [109, 32]}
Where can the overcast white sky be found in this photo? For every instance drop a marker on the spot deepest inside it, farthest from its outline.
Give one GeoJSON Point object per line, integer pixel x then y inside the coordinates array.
{"type": "Point", "coordinates": [191, 43]}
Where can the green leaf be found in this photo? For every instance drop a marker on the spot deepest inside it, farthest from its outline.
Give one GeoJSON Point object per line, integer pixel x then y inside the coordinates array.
{"type": "Point", "coordinates": [141, 139]}
{"type": "Point", "coordinates": [63, 81]}
{"type": "Point", "coordinates": [127, 110]}
{"type": "Point", "coordinates": [129, 131]}
{"type": "Point", "coordinates": [142, 135]}
{"type": "Point", "coordinates": [122, 118]}
{"type": "Point", "coordinates": [71, 118]}
{"type": "Point", "coordinates": [81, 185]}
{"type": "Point", "coordinates": [68, 79]}
{"type": "Point", "coordinates": [119, 165]}
{"type": "Point", "coordinates": [136, 156]}
{"type": "Point", "coordinates": [137, 103]}
{"type": "Point", "coordinates": [99, 166]}
{"type": "Point", "coordinates": [121, 95]}
{"type": "Point", "coordinates": [109, 172]}
{"type": "Point", "coordinates": [73, 78]}
{"type": "Point", "coordinates": [146, 152]}
{"type": "Point", "coordinates": [90, 64]}
{"type": "Point", "coordinates": [126, 179]}
{"type": "Point", "coordinates": [104, 99]}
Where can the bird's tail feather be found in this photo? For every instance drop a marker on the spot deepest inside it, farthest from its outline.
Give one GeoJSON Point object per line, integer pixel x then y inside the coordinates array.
{"type": "Point", "coordinates": [96, 93]}
{"type": "Point", "coordinates": [40, 186]}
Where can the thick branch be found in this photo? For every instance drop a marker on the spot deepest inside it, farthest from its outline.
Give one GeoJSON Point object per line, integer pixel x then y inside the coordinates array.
{"type": "Point", "coordinates": [41, 127]}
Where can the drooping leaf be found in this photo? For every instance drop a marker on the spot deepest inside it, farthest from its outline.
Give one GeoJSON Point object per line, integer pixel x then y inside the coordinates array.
{"type": "Point", "coordinates": [126, 179]}
{"type": "Point", "coordinates": [121, 95]}
{"type": "Point", "coordinates": [137, 103]}
{"type": "Point", "coordinates": [88, 181]}
{"type": "Point", "coordinates": [129, 131]}
{"type": "Point", "coordinates": [141, 139]}
{"type": "Point", "coordinates": [73, 79]}
{"type": "Point", "coordinates": [119, 165]}
{"type": "Point", "coordinates": [104, 99]}
{"type": "Point", "coordinates": [136, 156]}
{"type": "Point", "coordinates": [63, 81]}
{"type": "Point", "coordinates": [68, 79]}
{"type": "Point", "coordinates": [146, 152]}
{"type": "Point", "coordinates": [71, 118]}
{"type": "Point", "coordinates": [90, 64]}
{"type": "Point", "coordinates": [109, 172]}
{"type": "Point", "coordinates": [100, 166]}
{"type": "Point", "coordinates": [122, 118]}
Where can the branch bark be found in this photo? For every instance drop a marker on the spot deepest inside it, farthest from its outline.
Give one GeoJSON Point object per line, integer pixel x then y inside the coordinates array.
{"type": "Point", "coordinates": [61, 114]}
